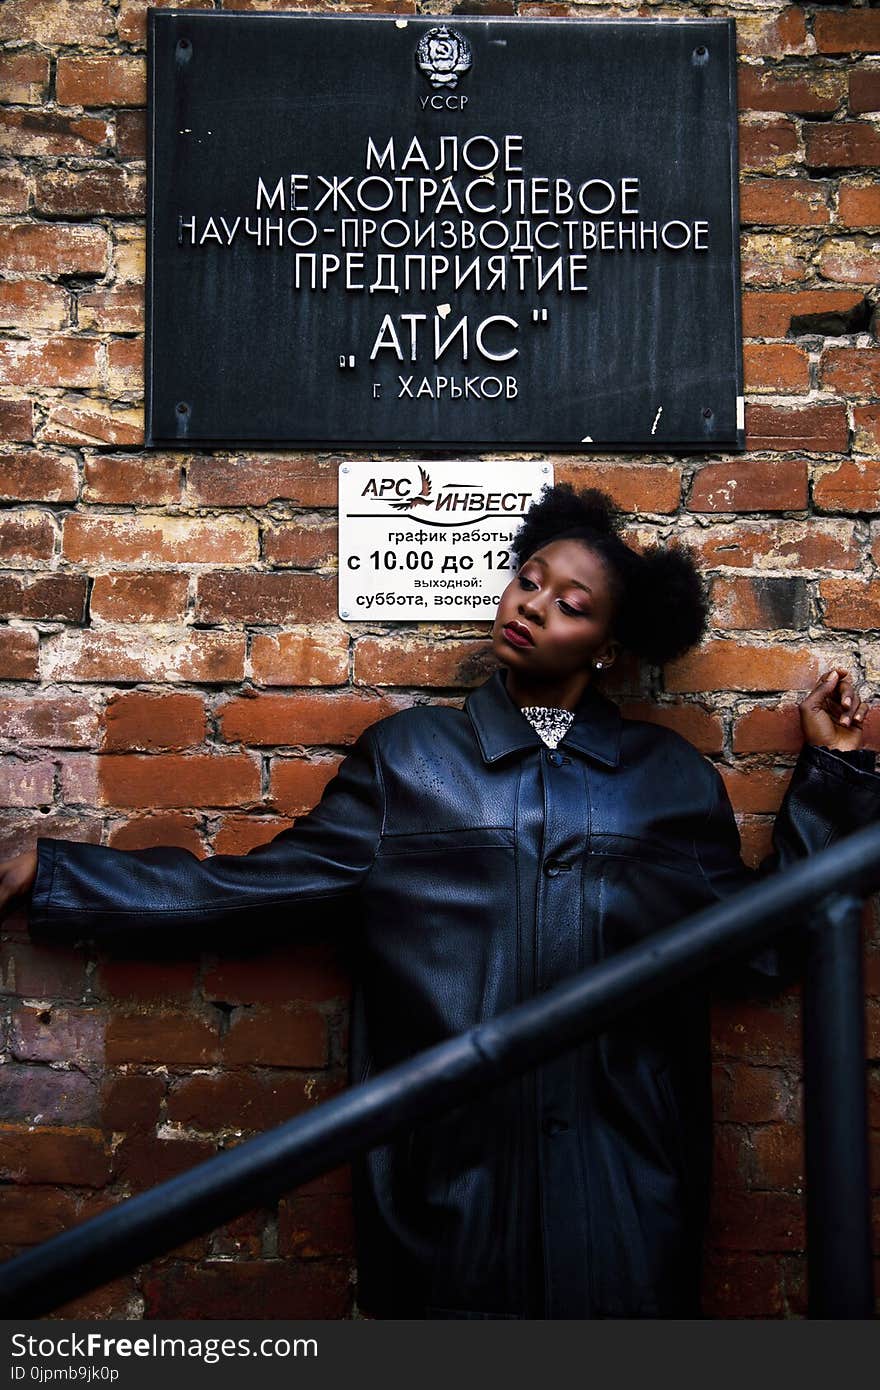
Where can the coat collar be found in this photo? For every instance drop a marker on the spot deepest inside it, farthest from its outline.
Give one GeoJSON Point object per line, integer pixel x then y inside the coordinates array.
{"type": "Point", "coordinates": [502, 728]}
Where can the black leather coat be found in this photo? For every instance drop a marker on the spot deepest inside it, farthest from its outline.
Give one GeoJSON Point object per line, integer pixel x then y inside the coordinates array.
{"type": "Point", "coordinates": [484, 867]}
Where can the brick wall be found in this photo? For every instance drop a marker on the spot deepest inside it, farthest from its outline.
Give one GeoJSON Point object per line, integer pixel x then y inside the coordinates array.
{"type": "Point", "coordinates": [172, 669]}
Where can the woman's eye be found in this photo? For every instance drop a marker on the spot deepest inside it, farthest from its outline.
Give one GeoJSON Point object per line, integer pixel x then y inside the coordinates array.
{"type": "Point", "coordinates": [526, 583]}
{"type": "Point", "coordinates": [575, 612]}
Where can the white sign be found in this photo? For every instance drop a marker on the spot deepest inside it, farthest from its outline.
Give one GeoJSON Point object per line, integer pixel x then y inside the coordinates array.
{"type": "Point", "coordinates": [427, 540]}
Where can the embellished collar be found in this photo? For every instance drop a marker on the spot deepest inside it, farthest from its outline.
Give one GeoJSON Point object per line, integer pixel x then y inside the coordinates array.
{"type": "Point", "coordinates": [501, 729]}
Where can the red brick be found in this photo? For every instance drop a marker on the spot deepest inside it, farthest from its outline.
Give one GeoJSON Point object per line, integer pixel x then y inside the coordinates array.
{"type": "Point", "coordinates": [810, 428]}
{"type": "Point", "coordinates": [778, 1156]}
{"type": "Point", "coordinates": [60, 361]}
{"type": "Point", "coordinates": [17, 421]}
{"type": "Point", "coordinates": [768, 313]}
{"type": "Point", "coordinates": [139, 597]}
{"type": "Point", "coordinates": [108, 79]}
{"type": "Point", "coordinates": [772, 259]}
{"type": "Point", "coordinates": [848, 31]}
{"type": "Point", "coordinates": [33, 304]}
{"type": "Point", "coordinates": [305, 718]}
{"type": "Point", "coordinates": [42, 972]}
{"type": "Point", "coordinates": [742, 1286]}
{"type": "Point", "coordinates": [134, 779]}
{"type": "Point", "coordinates": [315, 1226]}
{"type": "Point", "coordinates": [30, 1215]}
{"type": "Point", "coordinates": [133, 655]}
{"type": "Point", "coordinates": [842, 145]}
{"type": "Point", "coordinates": [56, 21]}
{"type": "Point", "coordinates": [142, 479]}
{"type": "Point", "coordinates": [788, 202]}
{"type": "Point", "coordinates": [750, 486]}
{"type": "Point", "coordinates": [147, 980]}
{"type": "Point", "coordinates": [769, 729]}
{"type": "Point", "coordinates": [296, 785]}
{"type": "Point", "coordinates": [414, 661]}
{"type": "Point", "coordinates": [131, 134]}
{"type": "Point", "coordinates": [255, 481]}
{"type": "Point", "coordinates": [131, 1102]}
{"type": "Point", "coordinates": [772, 35]}
{"type": "Point", "coordinates": [853, 486]}
{"type": "Point", "coordinates": [63, 721]}
{"type": "Point", "coordinates": [137, 538]}
{"type": "Point", "coordinates": [864, 89]}
{"type": "Point", "coordinates": [254, 1289]}
{"type": "Point", "coordinates": [244, 1101]}
{"type": "Point", "coordinates": [47, 1095]}
{"type": "Point", "coordinates": [779, 368]}
{"type": "Point", "coordinates": [724, 664]}
{"type": "Point", "coordinates": [14, 189]}
{"type": "Point", "coordinates": [306, 547]}
{"type": "Point", "coordinates": [768, 1034]}
{"type": "Point", "coordinates": [169, 1039]}
{"type": "Point", "coordinates": [755, 790]}
{"type": "Point", "coordinates": [145, 832]}
{"type": "Point", "coordinates": [767, 146]}
{"type": "Point", "coordinates": [866, 430]}
{"type": "Point", "coordinates": [276, 1037]}
{"type": "Point", "coordinates": [118, 1299]}
{"type": "Point", "coordinates": [125, 364]}
{"type": "Point", "coordinates": [108, 190]}
{"type": "Point", "coordinates": [859, 204]}
{"type": "Point", "coordinates": [31, 476]}
{"type": "Point", "coordinates": [142, 1161]}
{"type": "Point", "coordinates": [312, 972]}
{"type": "Point", "coordinates": [757, 1220]}
{"type": "Point", "coordinates": [39, 134]}
{"type": "Point", "coordinates": [56, 1155]}
{"type": "Point", "coordinates": [850, 603]}
{"type": "Point", "coordinates": [635, 487]}
{"type": "Point", "coordinates": [58, 1034]}
{"type": "Point", "coordinates": [852, 259]}
{"type": "Point", "coordinates": [132, 21]}
{"type": "Point", "coordinates": [25, 782]}
{"type": "Point", "coordinates": [143, 721]}
{"type": "Point", "coordinates": [851, 371]}
{"type": "Point", "coordinates": [19, 649]}
{"type": "Point", "coordinates": [99, 423]}
{"type": "Point", "coordinates": [244, 1236]}
{"type": "Point", "coordinates": [704, 730]}
{"type": "Point", "coordinates": [119, 309]}
{"type": "Point", "coordinates": [24, 77]}
{"type": "Point", "coordinates": [752, 602]}
{"type": "Point", "coordinates": [25, 537]}
{"type": "Point", "coordinates": [300, 657]}
{"type": "Point", "coordinates": [801, 91]}
{"type": "Point", "coordinates": [751, 1095]}
{"type": "Point", "coordinates": [239, 834]}
{"type": "Point", "coordinates": [236, 596]}
{"type": "Point", "coordinates": [61, 597]}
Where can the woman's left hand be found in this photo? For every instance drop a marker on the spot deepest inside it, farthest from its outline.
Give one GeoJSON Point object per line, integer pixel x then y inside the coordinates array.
{"type": "Point", "coordinates": [832, 713]}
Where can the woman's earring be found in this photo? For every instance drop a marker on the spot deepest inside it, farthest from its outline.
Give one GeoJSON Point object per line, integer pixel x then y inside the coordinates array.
{"type": "Point", "coordinates": [597, 664]}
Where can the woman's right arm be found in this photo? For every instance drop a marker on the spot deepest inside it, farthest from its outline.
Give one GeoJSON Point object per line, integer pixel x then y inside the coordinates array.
{"type": "Point", "coordinates": [92, 890]}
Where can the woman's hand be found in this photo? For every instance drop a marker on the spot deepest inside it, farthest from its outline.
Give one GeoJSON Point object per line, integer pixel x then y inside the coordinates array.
{"type": "Point", "coordinates": [832, 714]}
{"type": "Point", "coordinates": [16, 877]}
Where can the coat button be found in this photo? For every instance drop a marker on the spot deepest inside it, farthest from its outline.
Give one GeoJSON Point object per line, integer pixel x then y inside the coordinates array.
{"type": "Point", "coordinates": [556, 759]}
{"type": "Point", "coordinates": [556, 866]}
{"type": "Point", "coordinates": [553, 1125]}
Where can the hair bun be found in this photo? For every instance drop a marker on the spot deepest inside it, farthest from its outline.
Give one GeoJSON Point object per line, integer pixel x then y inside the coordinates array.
{"type": "Point", "coordinates": [667, 611]}
{"type": "Point", "coordinates": [561, 512]}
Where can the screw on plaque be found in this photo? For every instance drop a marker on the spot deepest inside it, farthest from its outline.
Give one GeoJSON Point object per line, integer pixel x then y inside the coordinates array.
{"type": "Point", "coordinates": [700, 56]}
{"type": "Point", "coordinates": [183, 50]}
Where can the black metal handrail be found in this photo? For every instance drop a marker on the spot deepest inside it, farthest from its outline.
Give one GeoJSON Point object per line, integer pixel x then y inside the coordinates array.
{"type": "Point", "coordinates": [830, 883]}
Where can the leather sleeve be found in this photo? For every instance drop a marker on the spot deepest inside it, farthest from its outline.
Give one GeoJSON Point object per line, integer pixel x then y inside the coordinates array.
{"type": "Point", "coordinates": [92, 890]}
{"type": "Point", "coordinates": [829, 795]}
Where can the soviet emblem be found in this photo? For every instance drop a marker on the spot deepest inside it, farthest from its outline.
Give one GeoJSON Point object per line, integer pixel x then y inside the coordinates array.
{"type": "Point", "coordinates": [443, 54]}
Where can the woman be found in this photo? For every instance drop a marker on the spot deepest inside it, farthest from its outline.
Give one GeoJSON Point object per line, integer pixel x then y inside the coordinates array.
{"type": "Point", "coordinates": [489, 852]}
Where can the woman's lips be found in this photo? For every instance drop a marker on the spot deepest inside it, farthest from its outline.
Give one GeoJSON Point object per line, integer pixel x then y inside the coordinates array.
{"type": "Point", "coordinates": [518, 636]}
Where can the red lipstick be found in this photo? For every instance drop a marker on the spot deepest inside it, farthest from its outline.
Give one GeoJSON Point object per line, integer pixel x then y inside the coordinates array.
{"type": "Point", "coordinates": [518, 635]}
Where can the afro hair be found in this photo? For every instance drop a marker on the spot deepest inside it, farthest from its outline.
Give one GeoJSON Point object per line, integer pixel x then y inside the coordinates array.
{"type": "Point", "coordinates": [660, 605]}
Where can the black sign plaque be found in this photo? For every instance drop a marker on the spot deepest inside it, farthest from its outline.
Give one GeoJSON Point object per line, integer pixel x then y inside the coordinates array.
{"type": "Point", "coordinates": [439, 231]}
